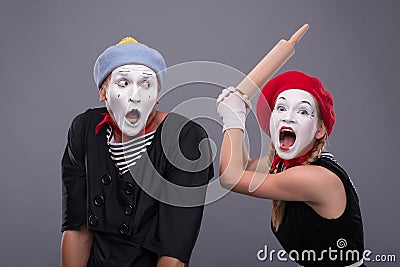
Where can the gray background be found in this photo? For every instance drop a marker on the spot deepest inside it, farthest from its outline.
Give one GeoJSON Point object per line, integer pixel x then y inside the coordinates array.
{"type": "Point", "coordinates": [48, 49]}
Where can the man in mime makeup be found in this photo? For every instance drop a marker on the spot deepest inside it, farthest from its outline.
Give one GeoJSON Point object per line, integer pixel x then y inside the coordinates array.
{"type": "Point", "coordinates": [108, 219]}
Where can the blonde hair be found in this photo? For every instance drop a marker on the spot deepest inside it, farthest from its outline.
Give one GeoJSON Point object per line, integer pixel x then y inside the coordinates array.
{"type": "Point", "coordinates": [278, 206]}
{"type": "Point", "coordinates": [106, 83]}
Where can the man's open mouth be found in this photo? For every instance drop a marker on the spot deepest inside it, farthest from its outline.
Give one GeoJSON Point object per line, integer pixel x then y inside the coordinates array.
{"type": "Point", "coordinates": [133, 116]}
{"type": "Point", "coordinates": [287, 137]}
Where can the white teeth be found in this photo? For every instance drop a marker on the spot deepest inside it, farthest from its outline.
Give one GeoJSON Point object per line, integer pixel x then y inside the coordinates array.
{"type": "Point", "coordinates": [132, 121]}
{"type": "Point", "coordinates": [287, 130]}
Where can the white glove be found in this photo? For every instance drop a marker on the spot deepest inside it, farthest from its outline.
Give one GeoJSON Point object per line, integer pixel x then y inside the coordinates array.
{"type": "Point", "coordinates": [233, 107]}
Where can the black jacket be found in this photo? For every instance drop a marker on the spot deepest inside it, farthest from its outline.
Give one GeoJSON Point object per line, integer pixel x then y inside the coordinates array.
{"type": "Point", "coordinates": [112, 204]}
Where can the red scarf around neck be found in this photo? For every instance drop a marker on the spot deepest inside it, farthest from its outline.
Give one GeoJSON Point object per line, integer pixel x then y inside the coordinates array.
{"type": "Point", "coordinates": [288, 163]}
{"type": "Point", "coordinates": [107, 120]}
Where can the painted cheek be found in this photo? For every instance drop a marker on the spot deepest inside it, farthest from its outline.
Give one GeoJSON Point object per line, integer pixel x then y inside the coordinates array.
{"type": "Point", "coordinates": [274, 124]}
{"type": "Point", "coordinates": [310, 126]}
{"type": "Point", "coordinates": [116, 97]}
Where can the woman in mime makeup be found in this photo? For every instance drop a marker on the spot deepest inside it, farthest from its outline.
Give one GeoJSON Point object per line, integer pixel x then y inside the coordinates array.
{"type": "Point", "coordinates": [315, 206]}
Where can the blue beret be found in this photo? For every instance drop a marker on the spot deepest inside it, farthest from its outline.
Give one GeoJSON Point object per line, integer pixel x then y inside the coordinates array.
{"type": "Point", "coordinates": [128, 53]}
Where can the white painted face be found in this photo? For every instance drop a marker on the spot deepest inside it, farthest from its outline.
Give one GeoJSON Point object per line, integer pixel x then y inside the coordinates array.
{"type": "Point", "coordinates": [294, 123]}
{"type": "Point", "coordinates": [131, 96]}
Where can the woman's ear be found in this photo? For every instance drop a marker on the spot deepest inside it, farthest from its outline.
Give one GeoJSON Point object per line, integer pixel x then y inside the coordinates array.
{"type": "Point", "coordinates": [321, 131]}
{"type": "Point", "coordinates": [102, 94]}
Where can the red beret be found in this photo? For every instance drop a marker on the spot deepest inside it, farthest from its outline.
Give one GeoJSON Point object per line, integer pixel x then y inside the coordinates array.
{"type": "Point", "coordinates": [294, 80]}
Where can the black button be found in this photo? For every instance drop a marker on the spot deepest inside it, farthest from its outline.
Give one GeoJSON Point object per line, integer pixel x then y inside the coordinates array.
{"type": "Point", "coordinates": [99, 201]}
{"type": "Point", "coordinates": [128, 210]}
{"type": "Point", "coordinates": [124, 229]}
{"type": "Point", "coordinates": [129, 189]}
{"type": "Point", "coordinates": [106, 179]}
{"type": "Point", "coordinates": [93, 220]}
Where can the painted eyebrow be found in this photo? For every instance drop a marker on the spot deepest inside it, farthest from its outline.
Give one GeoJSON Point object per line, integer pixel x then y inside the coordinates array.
{"type": "Point", "coordinates": [125, 73]}
{"type": "Point", "coordinates": [306, 102]}
{"type": "Point", "coordinates": [148, 74]}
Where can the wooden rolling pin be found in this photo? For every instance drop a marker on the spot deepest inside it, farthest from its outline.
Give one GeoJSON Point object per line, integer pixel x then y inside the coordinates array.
{"type": "Point", "coordinates": [270, 64]}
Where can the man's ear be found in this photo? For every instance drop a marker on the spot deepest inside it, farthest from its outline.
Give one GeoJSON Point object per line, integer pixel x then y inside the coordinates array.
{"type": "Point", "coordinates": [102, 94]}
{"type": "Point", "coordinates": [321, 131]}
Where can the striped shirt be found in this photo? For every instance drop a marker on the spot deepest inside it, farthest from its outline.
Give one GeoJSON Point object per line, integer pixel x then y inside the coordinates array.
{"type": "Point", "coordinates": [126, 154]}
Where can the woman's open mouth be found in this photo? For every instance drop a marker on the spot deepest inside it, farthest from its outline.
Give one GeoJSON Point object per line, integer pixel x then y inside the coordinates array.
{"type": "Point", "coordinates": [133, 116]}
{"type": "Point", "coordinates": [287, 137]}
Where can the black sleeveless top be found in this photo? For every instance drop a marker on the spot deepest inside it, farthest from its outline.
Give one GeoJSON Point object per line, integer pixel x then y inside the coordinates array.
{"type": "Point", "coordinates": [312, 240]}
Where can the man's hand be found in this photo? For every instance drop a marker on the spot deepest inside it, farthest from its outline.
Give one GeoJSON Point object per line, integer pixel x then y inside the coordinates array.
{"type": "Point", "coordinates": [75, 247]}
{"type": "Point", "coordinates": [165, 261]}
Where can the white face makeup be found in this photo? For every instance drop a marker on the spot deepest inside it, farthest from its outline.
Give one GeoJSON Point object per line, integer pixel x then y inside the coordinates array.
{"type": "Point", "coordinates": [294, 123]}
{"type": "Point", "coordinates": [131, 96]}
